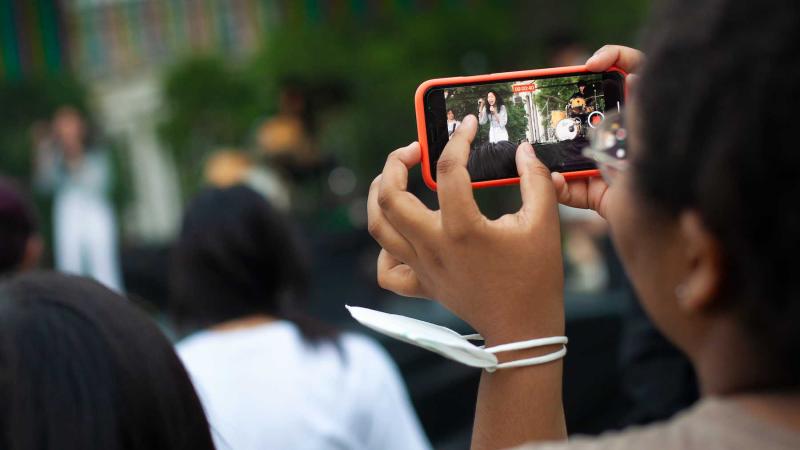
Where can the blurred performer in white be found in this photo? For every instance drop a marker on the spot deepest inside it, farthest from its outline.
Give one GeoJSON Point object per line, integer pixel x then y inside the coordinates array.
{"type": "Point", "coordinates": [494, 111]}
{"type": "Point", "coordinates": [79, 178]}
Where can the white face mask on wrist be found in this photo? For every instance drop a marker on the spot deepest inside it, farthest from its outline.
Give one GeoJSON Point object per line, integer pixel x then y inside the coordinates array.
{"type": "Point", "coordinates": [450, 344]}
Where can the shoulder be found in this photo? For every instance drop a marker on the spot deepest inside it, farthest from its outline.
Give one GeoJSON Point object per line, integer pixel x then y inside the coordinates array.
{"type": "Point", "coordinates": [711, 424]}
{"type": "Point", "coordinates": [196, 346]}
{"type": "Point", "coordinates": [362, 348]}
{"type": "Point", "coordinates": [368, 363]}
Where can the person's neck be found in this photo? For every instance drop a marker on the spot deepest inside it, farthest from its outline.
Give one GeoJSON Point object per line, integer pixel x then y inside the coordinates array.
{"type": "Point", "coordinates": [728, 361]}
{"type": "Point", "coordinates": [244, 322]}
{"type": "Point", "coordinates": [732, 365]}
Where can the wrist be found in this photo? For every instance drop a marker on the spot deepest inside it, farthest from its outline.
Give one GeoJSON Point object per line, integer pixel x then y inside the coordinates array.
{"type": "Point", "coordinates": [518, 329]}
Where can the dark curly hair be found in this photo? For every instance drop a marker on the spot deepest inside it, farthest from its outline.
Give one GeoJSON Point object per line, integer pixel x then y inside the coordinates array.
{"type": "Point", "coordinates": [719, 94]}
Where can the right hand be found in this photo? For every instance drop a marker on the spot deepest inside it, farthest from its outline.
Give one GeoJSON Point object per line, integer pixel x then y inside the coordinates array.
{"type": "Point", "coordinates": [589, 193]}
{"type": "Point", "coordinates": [504, 276]}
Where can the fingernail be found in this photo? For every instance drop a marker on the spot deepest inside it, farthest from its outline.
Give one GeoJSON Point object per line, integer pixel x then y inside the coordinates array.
{"type": "Point", "coordinates": [595, 55]}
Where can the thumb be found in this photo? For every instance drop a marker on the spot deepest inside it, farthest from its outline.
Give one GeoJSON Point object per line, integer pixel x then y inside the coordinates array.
{"type": "Point", "coordinates": [535, 184]}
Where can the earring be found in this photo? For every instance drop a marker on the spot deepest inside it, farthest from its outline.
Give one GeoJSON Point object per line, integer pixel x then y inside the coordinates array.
{"type": "Point", "coordinates": [680, 291]}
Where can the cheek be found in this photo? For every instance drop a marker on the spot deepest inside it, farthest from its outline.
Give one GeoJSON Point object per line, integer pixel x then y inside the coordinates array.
{"type": "Point", "coordinates": [649, 254]}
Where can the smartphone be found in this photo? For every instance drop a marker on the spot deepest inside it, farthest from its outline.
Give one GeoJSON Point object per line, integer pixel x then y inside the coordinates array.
{"type": "Point", "coordinates": [553, 109]}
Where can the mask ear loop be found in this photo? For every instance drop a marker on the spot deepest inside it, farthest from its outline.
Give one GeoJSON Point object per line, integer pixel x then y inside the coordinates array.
{"type": "Point", "coordinates": [531, 361]}
{"type": "Point", "coordinates": [522, 345]}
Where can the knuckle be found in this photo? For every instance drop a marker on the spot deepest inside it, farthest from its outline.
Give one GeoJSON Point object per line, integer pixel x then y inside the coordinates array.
{"type": "Point", "coordinates": [395, 154]}
{"type": "Point", "coordinates": [383, 279]}
{"type": "Point", "coordinates": [540, 170]}
{"type": "Point", "coordinates": [375, 183]}
{"type": "Point", "coordinates": [437, 260]}
{"type": "Point", "coordinates": [446, 166]}
{"type": "Point", "coordinates": [386, 200]}
{"type": "Point", "coordinates": [458, 235]}
{"type": "Point", "coordinates": [461, 233]}
{"type": "Point", "coordinates": [374, 228]}
{"type": "Point", "coordinates": [606, 47]}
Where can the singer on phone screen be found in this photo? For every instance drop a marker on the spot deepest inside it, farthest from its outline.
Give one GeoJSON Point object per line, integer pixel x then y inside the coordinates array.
{"type": "Point", "coordinates": [495, 112]}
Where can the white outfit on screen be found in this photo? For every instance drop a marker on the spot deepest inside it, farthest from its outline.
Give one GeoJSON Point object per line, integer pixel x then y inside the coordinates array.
{"type": "Point", "coordinates": [497, 127]}
{"type": "Point", "coordinates": [265, 387]}
{"type": "Point", "coordinates": [451, 127]}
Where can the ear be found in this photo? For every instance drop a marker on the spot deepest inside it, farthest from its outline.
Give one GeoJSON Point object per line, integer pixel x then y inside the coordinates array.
{"type": "Point", "coordinates": [700, 286]}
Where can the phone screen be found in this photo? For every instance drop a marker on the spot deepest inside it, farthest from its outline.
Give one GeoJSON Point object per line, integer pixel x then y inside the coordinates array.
{"type": "Point", "coordinates": [554, 113]}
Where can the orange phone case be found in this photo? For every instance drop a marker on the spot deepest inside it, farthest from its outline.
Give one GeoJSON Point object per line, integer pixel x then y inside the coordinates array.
{"type": "Point", "coordinates": [419, 102]}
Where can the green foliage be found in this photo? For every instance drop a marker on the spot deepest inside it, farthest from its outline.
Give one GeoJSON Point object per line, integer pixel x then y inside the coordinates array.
{"type": "Point", "coordinates": [209, 106]}
{"type": "Point", "coordinates": [465, 101]}
{"type": "Point", "coordinates": [553, 94]}
{"type": "Point", "coordinates": [379, 62]}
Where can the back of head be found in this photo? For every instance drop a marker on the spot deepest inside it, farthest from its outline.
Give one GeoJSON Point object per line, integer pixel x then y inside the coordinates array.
{"type": "Point", "coordinates": [492, 160]}
{"type": "Point", "coordinates": [81, 368]}
{"type": "Point", "coordinates": [236, 257]}
{"type": "Point", "coordinates": [17, 227]}
{"type": "Point", "coordinates": [719, 94]}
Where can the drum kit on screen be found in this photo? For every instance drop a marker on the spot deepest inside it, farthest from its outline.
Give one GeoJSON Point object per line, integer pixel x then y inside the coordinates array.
{"type": "Point", "coordinates": [576, 119]}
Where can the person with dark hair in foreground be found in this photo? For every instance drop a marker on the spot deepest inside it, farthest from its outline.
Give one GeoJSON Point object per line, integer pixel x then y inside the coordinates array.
{"type": "Point", "coordinates": [268, 376]}
{"type": "Point", "coordinates": [705, 219]}
{"type": "Point", "coordinates": [493, 160]}
{"type": "Point", "coordinates": [21, 246]}
{"type": "Point", "coordinates": [82, 369]}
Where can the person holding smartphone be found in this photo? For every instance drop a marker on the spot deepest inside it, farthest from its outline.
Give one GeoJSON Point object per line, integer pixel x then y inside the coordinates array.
{"type": "Point", "coordinates": [704, 220]}
{"type": "Point", "coordinates": [494, 112]}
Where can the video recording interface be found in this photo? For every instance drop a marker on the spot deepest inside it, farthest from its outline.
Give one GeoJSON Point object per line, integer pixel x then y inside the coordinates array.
{"type": "Point", "coordinates": [555, 114]}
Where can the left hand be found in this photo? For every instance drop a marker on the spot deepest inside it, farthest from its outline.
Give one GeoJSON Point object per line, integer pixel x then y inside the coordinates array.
{"type": "Point", "coordinates": [504, 277]}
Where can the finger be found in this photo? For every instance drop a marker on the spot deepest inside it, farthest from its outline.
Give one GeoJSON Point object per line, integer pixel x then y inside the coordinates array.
{"type": "Point", "coordinates": [535, 183]}
{"type": "Point", "coordinates": [454, 188]}
{"type": "Point", "coordinates": [570, 193]}
{"type": "Point", "coordinates": [626, 58]}
{"type": "Point", "coordinates": [397, 277]}
{"type": "Point", "coordinates": [596, 196]}
{"type": "Point", "coordinates": [587, 193]}
{"type": "Point", "coordinates": [383, 231]}
{"type": "Point", "coordinates": [560, 184]}
{"type": "Point", "coordinates": [402, 209]}
{"type": "Point", "coordinates": [632, 83]}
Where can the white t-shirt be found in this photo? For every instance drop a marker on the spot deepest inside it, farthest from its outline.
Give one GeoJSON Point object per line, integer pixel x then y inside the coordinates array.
{"type": "Point", "coordinates": [265, 388]}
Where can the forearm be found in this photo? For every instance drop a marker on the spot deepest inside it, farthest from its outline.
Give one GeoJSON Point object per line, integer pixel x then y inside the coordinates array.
{"type": "Point", "coordinates": [519, 405]}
